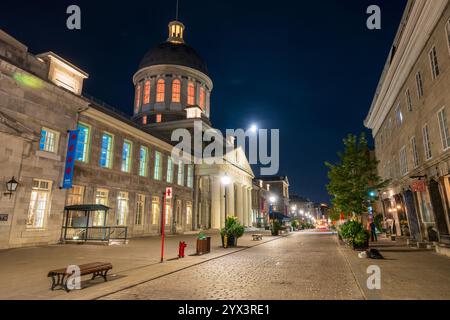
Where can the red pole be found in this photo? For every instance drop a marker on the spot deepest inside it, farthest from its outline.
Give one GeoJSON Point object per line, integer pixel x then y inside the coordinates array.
{"type": "Point", "coordinates": [163, 228]}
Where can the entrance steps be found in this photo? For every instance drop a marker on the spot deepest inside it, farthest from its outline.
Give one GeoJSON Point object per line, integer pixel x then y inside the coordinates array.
{"type": "Point", "coordinates": [420, 244]}
{"type": "Point", "coordinates": [443, 249]}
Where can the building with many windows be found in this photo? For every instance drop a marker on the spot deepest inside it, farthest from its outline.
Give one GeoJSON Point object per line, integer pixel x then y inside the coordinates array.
{"type": "Point", "coordinates": [410, 125]}
{"type": "Point", "coordinates": [124, 163]}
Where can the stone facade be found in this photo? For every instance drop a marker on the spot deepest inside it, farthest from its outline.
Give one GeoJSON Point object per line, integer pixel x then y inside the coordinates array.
{"type": "Point", "coordinates": [409, 122]}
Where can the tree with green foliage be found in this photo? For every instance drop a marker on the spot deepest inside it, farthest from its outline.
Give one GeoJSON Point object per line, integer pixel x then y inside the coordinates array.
{"type": "Point", "coordinates": [354, 177]}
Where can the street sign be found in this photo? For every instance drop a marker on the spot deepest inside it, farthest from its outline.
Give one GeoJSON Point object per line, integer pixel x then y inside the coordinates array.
{"type": "Point", "coordinates": [168, 193]}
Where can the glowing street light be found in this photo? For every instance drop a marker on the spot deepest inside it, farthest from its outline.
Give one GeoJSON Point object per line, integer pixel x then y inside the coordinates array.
{"type": "Point", "coordinates": [254, 128]}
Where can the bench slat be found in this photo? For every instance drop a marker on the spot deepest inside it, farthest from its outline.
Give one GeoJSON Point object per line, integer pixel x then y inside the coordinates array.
{"type": "Point", "coordinates": [84, 269]}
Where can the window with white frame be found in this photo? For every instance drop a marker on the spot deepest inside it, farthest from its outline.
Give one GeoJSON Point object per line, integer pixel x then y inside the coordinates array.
{"type": "Point", "coordinates": [434, 63]}
{"type": "Point", "coordinates": [143, 161]}
{"type": "Point", "coordinates": [75, 195]}
{"type": "Point", "coordinates": [419, 83]}
{"type": "Point", "coordinates": [415, 152]}
{"type": "Point", "coordinates": [101, 197]}
{"type": "Point", "coordinates": [443, 126]}
{"type": "Point", "coordinates": [49, 140]}
{"type": "Point", "coordinates": [403, 161]}
{"type": "Point", "coordinates": [122, 209]}
{"type": "Point", "coordinates": [448, 34]}
{"type": "Point", "coordinates": [190, 176]}
{"type": "Point", "coordinates": [39, 203]}
{"type": "Point", "coordinates": [427, 143]}
{"type": "Point", "coordinates": [82, 149]}
{"type": "Point", "coordinates": [409, 100]}
{"type": "Point", "coordinates": [140, 208]}
{"type": "Point", "coordinates": [106, 153]}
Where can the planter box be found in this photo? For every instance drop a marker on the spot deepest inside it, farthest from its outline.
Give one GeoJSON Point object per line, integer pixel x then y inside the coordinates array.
{"type": "Point", "coordinates": [204, 246]}
{"type": "Point", "coordinates": [231, 242]}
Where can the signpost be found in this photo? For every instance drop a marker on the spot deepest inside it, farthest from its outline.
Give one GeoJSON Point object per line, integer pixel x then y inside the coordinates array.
{"type": "Point", "coordinates": [167, 196]}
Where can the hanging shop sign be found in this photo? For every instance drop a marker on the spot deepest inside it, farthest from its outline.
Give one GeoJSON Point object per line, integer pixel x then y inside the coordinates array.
{"type": "Point", "coordinates": [419, 186]}
{"type": "Point", "coordinates": [70, 159]}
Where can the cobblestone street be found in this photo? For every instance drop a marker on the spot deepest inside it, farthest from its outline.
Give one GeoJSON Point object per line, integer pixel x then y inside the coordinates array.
{"type": "Point", "coordinates": [301, 266]}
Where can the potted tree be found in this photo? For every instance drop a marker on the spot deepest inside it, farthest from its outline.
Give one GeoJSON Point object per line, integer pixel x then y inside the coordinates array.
{"type": "Point", "coordinates": [232, 231]}
{"type": "Point", "coordinates": [276, 227]}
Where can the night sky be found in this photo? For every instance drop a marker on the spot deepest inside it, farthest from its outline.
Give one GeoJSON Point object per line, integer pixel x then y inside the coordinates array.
{"type": "Point", "coordinates": [309, 68]}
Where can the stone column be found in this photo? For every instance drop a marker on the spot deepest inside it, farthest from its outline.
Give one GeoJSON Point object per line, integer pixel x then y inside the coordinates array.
{"type": "Point", "coordinates": [222, 204]}
{"type": "Point", "coordinates": [195, 212]}
{"type": "Point", "coordinates": [216, 203]}
{"type": "Point", "coordinates": [230, 200]}
{"type": "Point", "coordinates": [245, 206]}
{"type": "Point", "coordinates": [240, 205]}
{"type": "Point", "coordinates": [250, 209]}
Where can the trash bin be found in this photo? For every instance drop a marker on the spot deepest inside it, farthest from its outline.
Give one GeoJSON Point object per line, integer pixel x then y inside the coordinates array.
{"type": "Point", "coordinates": [203, 246]}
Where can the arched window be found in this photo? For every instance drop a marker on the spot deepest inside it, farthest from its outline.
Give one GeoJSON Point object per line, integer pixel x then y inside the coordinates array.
{"type": "Point", "coordinates": [160, 90]}
{"type": "Point", "coordinates": [202, 98]}
{"type": "Point", "coordinates": [147, 92]}
{"type": "Point", "coordinates": [176, 90]}
{"type": "Point", "coordinates": [137, 99]}
{"type": "Point", "coordinates": [191, 94]}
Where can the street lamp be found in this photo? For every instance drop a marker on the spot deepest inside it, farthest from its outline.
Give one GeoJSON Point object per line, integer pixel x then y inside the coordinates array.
{"type": "Point", "coordinates": [254, 128]}
{"type": "Point", "coordinates": [226, 180]}
{"type": "Point", "coordinates": [11, 186]}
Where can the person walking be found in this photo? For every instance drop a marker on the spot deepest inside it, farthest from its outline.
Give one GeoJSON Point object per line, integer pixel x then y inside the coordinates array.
{"type": "Point", "coordinates": [373, 232]}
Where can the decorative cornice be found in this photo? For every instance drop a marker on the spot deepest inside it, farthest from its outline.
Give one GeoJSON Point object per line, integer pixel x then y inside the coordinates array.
{"type": "Point", "coordinates": [417, 25]}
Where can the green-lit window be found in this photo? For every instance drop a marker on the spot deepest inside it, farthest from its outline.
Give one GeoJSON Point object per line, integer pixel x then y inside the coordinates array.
{"type": "Point", "coordinates": [158, 166]}
{"type": "Point", "coordinates": [180, 173]}
{"type": "Point", "coordinates": [169, 170]}
{"type": "Point", "coordinates": [190, 177]}
{"type": "Point", "coordinates": [126, 156]}
{"type": "Point", "coordinates": [143, 161]}
{"type": "Point", "coordinates": [106, 156]}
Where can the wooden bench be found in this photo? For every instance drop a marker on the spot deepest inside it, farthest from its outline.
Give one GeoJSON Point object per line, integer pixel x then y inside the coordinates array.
{"type": "Point", "coordinates": [257, 237]}
{"type": "Point", "coordinates": [61, 276]}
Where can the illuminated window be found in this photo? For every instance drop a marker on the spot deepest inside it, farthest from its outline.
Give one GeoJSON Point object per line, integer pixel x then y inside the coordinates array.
{"type": "Point", "coordinates": [65, 80]}
{"type": "Point", "coordinates": [188, 213]}
{"type": "Point", "coordinates": [180, 173]}
{"type": "Point", "coordinates": [137, 99]}
{"type": "Point", "coordinates": [126, 156]}
{"type": "Point", "coordinates": [399, 115]}
{"type": "Point", "coordinates": [140, 208]}
{"type": "Point", "coordinates": [190, 177]}
{"type": "Point", "coordinates": [101, 197]}
{"type": "Point", "coordinates": [156, 210]}
{"type": "Point", "coordinates": [144, 120]}
{"type": "Point", "coordinates": [39, 203]}
{"type": "Point", "coordinates": [158, 166]}
{"type": "Point", "coordinates": [169, 170]}
{"type": "Point", "coordinates": [147, 92]}
{"type": "Point", "coordinates": [143, 162]}
{"type": "Point", "coordinates": [49, 140]}
{"type": "Point", "coordinates": [122, 209]}
{"type": "Point", "coordinates": [167, 213]}
{"type": "Point", "coordinates": [106, 154]}
{"type": "Point", "coordinates": [75, 195]}
{"type": "Point", "coordinates": [202, 98]}
{"type": "Point", "coordinates": [160, 90]}
{"type": "Point", "coordinates": [191, 94]}
{"type": "Point", "coordinates": [82, 143]}
{"type": "Point", "coordinates": [158, 118]}
{"type": "Point", "coordinates": [176, 90]}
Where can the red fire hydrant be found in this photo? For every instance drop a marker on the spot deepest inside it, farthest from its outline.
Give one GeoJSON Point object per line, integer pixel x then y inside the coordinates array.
{"type": "Point", "coordinates": [181, 248]}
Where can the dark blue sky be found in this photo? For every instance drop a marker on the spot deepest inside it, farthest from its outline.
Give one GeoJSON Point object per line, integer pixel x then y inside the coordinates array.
{"type": "Point", "coordinates": [309, 68]}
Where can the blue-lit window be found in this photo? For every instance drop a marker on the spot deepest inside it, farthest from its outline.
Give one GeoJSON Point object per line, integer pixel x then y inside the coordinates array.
{"type": "Point", "coordinates": [49, 140]}
{"type": "Point", "coordinates": [107, 151]}
{"type": "Point", "coordinates": [126, 156]}
{"type": "Point", "coordinates": [169, 170]}
{"type": "Point", "coordinates": [158, 166]}
{"type": "Point", "coordinates": [180, 173]}
{"type": "Point", "coordinates": [82, 152]}
{"type": "Point", "coordinates": [190, 177]}
{"type": "Point", "coordinates": [143, 162]}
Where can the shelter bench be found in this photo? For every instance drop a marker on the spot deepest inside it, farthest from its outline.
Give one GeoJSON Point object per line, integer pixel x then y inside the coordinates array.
{"type": "Point", "coordinates": [61, 276]}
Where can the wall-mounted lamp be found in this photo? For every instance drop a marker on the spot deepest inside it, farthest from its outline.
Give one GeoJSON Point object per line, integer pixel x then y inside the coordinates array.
{"type": "Point", "coordinates": [11, 186]}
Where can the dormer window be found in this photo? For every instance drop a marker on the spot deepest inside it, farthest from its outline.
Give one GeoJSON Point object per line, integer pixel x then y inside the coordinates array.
{"type": "Point", "coordinates": [202, 97]}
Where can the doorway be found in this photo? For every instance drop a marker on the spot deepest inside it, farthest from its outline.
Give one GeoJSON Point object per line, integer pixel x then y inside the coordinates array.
{"type": "Point", "coordinates": [438, 208]}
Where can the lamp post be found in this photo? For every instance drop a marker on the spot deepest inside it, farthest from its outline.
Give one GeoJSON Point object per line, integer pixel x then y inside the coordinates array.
{"type": "Point", "coordinates": [225, 182]}
{"type": "Point", "coordinates": [11, 186]}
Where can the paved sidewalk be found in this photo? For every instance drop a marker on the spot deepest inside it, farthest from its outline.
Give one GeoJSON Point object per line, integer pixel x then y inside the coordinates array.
{"type": "Point", "coordinates": [23, 271]}
{"type": "Point", "coordinates": [406, 273]}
